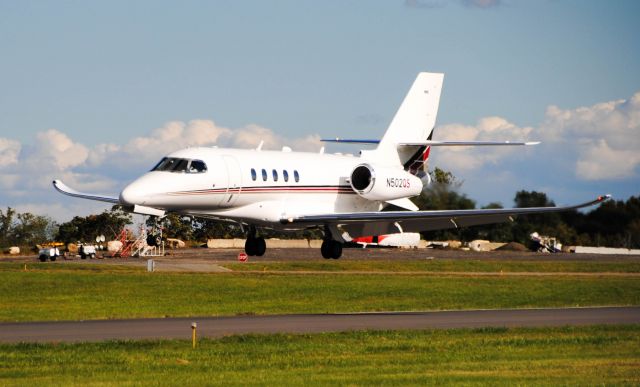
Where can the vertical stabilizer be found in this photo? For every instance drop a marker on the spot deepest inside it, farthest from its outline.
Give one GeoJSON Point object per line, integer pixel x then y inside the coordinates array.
{"type": "Point", "coordinates": [413, 122]}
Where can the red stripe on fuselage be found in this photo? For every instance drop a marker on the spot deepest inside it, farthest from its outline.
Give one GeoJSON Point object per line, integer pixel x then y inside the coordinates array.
{"type": "Point", "coordinates": [271, 189]}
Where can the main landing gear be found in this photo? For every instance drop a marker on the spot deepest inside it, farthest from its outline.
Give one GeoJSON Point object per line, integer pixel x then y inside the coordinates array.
{"type": "Point", "coordinates": [331, 249]}
{"type": "Point", "coordinates": [254, 245]}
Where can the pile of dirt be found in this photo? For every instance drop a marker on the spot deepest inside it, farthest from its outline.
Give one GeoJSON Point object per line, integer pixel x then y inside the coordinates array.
{"type": "Point", "coordinates": [513, 246]}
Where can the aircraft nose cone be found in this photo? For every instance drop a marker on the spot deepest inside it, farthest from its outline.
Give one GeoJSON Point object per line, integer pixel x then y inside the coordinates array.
{"type": "Point", "coordinates": [131, 195]}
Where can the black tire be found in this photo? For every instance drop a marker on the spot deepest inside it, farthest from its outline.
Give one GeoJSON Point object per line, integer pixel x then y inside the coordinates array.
{"type": "Point", "coordinates": [260, 246]}
{"type": "Point", "coordinates": [53, 258]}
{"type": "Point", "coordinates": [42, 258]}
{"type": "Point", "coordinates": [152, 240]}
{"type": "Point", "coordinates": [83, 256]}
{"type": "Point", "coordinates": [324, 249]}
{"type": "Point", "coordinates": [335, 249]}
{"type": "Point", "coordinates": [250, 247]}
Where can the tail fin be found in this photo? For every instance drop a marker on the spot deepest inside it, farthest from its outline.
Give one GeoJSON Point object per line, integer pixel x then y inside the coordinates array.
{"type": "Point", "coordinates": [413, 122]}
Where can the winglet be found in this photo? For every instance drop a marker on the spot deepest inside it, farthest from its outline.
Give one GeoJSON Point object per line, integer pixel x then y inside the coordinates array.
{"type": "Point", "coordinates": [66, 190]}
{"type": "Point", "coordinates": [604, 198]}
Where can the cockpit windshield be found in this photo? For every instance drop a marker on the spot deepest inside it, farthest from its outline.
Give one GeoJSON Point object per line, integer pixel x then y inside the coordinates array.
{"type": "Point", "coordinates": [173, 164]}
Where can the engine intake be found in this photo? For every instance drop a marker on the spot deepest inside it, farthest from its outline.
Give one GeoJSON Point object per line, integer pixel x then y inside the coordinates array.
{"type": "Point", "coordinates": [383, 183]}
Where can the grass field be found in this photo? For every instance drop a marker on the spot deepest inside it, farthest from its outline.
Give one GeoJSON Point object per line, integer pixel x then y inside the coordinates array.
{"type": "Point", "coordinates": [84, 291]}
{"type": "Point", "coordinates": [445, 265]}
{"type": "Point", "coordinates": [552, 356]}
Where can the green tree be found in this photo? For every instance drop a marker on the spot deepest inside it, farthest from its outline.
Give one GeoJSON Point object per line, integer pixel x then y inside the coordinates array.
{"type": "Point", "coordinates": [499, 232]}
{"type": "Point", "coordinates": [25, 229]}
{"type": "Point", "coordinates": [86, 228]}
{"type": "Point", "coordinates": [544, 224]}
{"type": "Point", "coordinates": [443, 194]}
{"type": "Point", "coordinates": [31, 229]}
{"type": "Point", "coordinates": [613, 223]}
{"type": "Point", "coordinates": [204, 229]}
{"type": "Point", "coordinates": [6, 226]}
{"type": "Point", "coordinates": [174, 226]}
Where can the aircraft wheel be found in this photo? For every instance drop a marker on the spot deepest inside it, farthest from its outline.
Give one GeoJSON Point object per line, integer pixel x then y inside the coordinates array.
{"type": "Point", "coordinates": [260, 246]}
{"type": "Point", "coordinates": [53, 258]}
{"type": "Point", "coordinates": [324, 249]}
{"type": "Point", "coordinates": [250, 246]}
{"type": "Point", "coordinates": [336, 249]}
{"type": "Point", "coordinates": [43, 258]}
{"type": "Point", "coordinates": [153, 240]}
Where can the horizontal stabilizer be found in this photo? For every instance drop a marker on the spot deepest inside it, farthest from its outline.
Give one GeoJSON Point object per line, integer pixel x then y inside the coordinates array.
{"type": "Point", "coordinates": [350, 141]}
{"type": "Point", "coordinates": [466, 143]}
{"type": "Point", "coordinates": [64, 189]}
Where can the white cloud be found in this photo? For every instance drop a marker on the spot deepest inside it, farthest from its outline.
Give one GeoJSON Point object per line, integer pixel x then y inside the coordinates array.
{"type": "Point", "coordinates": [599, 161]}
{"type": "Point", "coordinates": [606, 135]}
{"type": "Point", "coordinates": [56, 148]}
{"type": "Point", "coordinates": [168, 138]}
{"type": "Point", "coordinates": [250, 137]}
{"type": "Point", "coordinates": [473, 158]}
{"type": "Point", "coordinates": [9, 151]}
{"type": "Point", "coordinates": [600, 142]}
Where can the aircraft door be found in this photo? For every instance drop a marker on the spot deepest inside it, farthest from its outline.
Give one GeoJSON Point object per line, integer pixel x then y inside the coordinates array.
{"type": "Point", "coordinates": [234, 181]}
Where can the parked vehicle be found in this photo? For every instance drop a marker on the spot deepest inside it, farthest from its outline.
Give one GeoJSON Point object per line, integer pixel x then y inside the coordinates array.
{"type": "Point", "coordinates": [48, 253]}
{"type": "Point", "coordinates": [87, 251]}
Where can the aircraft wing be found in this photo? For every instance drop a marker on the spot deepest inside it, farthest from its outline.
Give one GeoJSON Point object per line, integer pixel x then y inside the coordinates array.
{"type": "Point", "coordinates": [65, 189]}
{"type": "Point", "coordinates": [377, 223]}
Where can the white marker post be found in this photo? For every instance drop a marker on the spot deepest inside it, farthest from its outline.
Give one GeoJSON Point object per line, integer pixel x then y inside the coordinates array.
{"type": "Point", "coordinates": [193, 334]}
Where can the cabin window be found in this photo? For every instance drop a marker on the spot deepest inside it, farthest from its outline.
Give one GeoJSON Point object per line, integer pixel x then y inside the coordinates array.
{"type": "Point", "coordinates": [254, 176]}
{"type": "Point", "coordinates": [296, 176]}
{"type": "Point", "coordinates": [275, 175]}
{"type": "Point", "coordinates": [264, 175]}
{"type": "Point", "coordinates": [285, 175]}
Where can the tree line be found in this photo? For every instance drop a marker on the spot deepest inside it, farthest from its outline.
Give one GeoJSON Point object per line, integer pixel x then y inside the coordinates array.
{"type": "Point", "coordinates": [612, 224]}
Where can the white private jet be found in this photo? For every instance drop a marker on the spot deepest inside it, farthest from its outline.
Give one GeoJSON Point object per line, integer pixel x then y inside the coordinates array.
{"type": "Point", "coordinates": [339, 194]}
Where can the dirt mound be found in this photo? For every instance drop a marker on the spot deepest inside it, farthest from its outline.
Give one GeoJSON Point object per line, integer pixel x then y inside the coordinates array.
{"type": "Point", "coordinates": [513, 246]}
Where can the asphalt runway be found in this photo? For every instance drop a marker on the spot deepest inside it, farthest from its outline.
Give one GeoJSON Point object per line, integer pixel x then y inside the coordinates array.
{"type": "Point", "coordinates": [212, 327]}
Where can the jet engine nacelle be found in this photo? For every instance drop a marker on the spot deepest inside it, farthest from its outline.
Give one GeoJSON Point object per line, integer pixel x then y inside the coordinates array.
{"type": "Point", "coordinates": [383, 183]}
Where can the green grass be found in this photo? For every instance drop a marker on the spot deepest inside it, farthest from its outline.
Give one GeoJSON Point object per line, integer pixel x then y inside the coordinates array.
{"type": "Point", "coordinates": [445, 265]}
{"type": "Point", "coordinates": [551, 356]}
{"type": "Point", "coordinates": [76, 291]}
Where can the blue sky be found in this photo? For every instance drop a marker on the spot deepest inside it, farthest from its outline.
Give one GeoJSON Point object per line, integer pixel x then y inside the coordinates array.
{"type": "Point", "coordinates": [83, 84]}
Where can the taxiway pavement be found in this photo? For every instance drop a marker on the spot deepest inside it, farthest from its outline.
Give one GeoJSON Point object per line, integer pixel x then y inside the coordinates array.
{"type": "Point", "coordinates": [180, 328]}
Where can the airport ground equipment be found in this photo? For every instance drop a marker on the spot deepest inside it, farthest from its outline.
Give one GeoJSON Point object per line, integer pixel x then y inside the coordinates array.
{"type": "Point", "coordinates": [86, 251]}
{"type": "Point", "coordinates": [48, 253]}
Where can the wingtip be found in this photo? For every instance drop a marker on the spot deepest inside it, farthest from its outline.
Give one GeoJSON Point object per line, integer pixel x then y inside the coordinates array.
{"type": "Point", "coordinates": [603, 198]}
{"type": "Point", "coordinates": [532, 143]}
